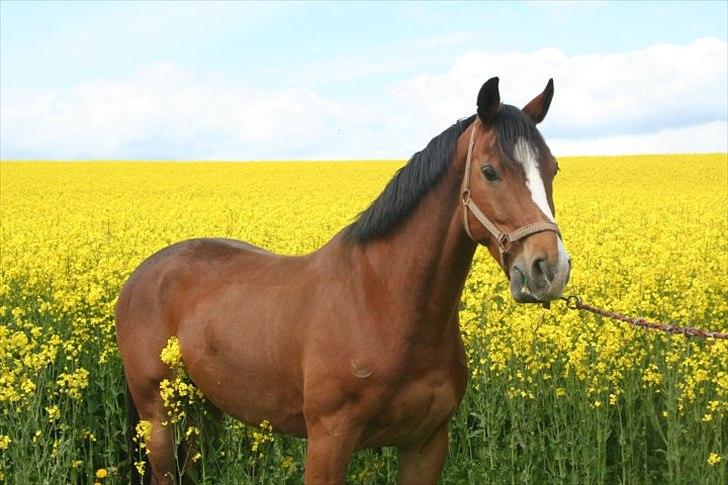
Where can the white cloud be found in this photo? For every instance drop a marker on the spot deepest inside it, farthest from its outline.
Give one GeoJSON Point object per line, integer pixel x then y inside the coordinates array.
{"type": "Point", "coordinates": [645, 91]}
{"type": "Point", "coordinates": [665, 98]}
{"type": "Point", "coordinates": [163, 112]}
{"type": "Point", "coordinates": [708, 137]}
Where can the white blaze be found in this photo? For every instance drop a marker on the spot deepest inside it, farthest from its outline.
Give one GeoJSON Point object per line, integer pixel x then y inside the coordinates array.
{"type": "Point", "coordinates": [527, 156]}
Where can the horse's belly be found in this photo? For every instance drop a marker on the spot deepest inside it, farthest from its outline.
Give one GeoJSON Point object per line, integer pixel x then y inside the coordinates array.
{"type": "Point", "coordinates": [254, 399]}
{"type": "Point", "coordinates": [246, 377]}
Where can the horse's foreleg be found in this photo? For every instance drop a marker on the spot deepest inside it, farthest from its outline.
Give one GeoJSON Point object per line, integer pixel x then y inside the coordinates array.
{"type": "Point", "coordinates": [330, 446]}
{"type": "Point", "coordinates": [422, 464]}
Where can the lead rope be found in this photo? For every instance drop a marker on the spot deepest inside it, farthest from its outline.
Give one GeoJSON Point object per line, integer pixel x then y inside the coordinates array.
{"type": "Point", "coordinates": [575, 303]}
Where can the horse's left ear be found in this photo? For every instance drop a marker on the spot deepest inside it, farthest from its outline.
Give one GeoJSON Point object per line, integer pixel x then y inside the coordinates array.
{"type": "Point", "coordinates": [539, 106]}
{"type": "Point", "coordinates": [488, 101]}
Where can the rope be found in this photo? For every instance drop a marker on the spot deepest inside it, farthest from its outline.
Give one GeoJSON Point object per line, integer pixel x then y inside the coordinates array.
{"type": "Point", "coordinates": [575, 303]}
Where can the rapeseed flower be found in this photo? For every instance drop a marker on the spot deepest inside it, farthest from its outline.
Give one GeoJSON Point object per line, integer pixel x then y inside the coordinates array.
{"type": "Point", "coordinates": [72, 234]}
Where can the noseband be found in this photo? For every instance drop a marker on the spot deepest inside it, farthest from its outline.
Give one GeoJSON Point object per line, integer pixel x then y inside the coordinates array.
{"type": "Point", "coordinates": [503, 239]}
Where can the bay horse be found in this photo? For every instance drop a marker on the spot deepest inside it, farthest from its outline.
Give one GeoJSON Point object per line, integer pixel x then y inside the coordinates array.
{"type": "Point", "coordinates": [357, 344]}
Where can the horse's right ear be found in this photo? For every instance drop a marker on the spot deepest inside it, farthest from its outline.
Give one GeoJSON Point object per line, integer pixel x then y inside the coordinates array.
{"type": "Point", "coordinates": [539, 106]}
{"type": "Point", "coordinates": [488, 101]}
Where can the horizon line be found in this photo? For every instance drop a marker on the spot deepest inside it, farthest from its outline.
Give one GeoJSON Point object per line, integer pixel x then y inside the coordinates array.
{"type": "Point", "coordinates": [311, 160]}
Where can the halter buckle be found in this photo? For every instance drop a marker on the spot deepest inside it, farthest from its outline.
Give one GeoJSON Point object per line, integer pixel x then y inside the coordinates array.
{"type": "Point", "coordinates": [466, 195]}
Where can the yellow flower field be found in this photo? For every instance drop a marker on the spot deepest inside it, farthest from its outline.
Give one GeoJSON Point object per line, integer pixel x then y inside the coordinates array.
{"type": "Point", "coordinates": [555, 395]}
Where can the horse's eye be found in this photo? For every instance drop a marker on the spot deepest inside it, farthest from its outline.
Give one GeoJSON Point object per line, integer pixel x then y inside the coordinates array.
{"type": "Point", "coordinates": [489, 172]}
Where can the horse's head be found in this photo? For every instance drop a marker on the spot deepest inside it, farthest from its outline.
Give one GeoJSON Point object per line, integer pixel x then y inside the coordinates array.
{"type": "Point", "coordinates": [507, 200]}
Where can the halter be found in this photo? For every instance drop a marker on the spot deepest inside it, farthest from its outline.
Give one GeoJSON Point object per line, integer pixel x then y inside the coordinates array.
{"type": "Point", "coordinates": [503, 239]}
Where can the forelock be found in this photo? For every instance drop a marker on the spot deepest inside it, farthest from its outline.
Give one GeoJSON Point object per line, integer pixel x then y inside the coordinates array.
{"type": "Point", "coordinates": [515, 132]}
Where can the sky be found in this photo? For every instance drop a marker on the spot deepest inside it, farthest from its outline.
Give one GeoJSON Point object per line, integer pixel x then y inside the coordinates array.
{"type": "Point", "coordinates": [267, 81]}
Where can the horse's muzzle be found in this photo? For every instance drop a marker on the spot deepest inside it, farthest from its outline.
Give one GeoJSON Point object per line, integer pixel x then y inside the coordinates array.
{"type": "Point", "coordinates": [541, 282]}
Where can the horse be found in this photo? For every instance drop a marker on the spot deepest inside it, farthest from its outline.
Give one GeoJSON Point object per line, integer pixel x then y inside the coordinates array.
{"type": "Point", "coordinates": [357, 344]}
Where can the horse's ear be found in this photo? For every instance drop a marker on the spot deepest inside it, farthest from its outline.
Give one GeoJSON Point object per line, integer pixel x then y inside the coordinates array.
{"type": "Point", "coordinates": [488, 101]}
{"type": "Point", "coordinates": [539, 106]}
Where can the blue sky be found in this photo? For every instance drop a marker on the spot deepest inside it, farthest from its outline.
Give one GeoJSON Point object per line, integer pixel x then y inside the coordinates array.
{"type": "Point", "coordinates": [351, 80]}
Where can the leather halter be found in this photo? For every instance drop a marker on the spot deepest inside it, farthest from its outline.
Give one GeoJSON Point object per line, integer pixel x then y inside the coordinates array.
{"type": "Point", "coordinates": [504, 240]}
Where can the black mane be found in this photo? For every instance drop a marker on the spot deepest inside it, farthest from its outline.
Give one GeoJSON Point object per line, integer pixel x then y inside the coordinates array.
{"type": "Point", "coordinates": [411, 182]}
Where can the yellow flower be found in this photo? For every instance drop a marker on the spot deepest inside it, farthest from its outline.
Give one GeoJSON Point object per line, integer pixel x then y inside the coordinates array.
{"type": "Point", "coordinates": [192, 430]}
{"type": "Point", "coordinates": [72, 234]}
{"type": "Point", "coordinates": [27, 386]}
{"type": "Point", "coordinates": [171, 354]}
{"type": "Point", "coordinates": [262, 435]}
{"type": "Point", "coordinates": [143, 432]}
{"type": "Point", "coordinates": [652, 375]}
{"type": "Point", "coordinates": [101, 473]}
{"type": "Point", "coordinates": [288, 463]}
{"type": "Point", "coordinates": [72, 383]}
{"type": "Point", "coordinates": [56, 448]}
{"type": "Point", "coordinates": [713, 459]}
{"type": "Point", "coordinates": [54, 413]}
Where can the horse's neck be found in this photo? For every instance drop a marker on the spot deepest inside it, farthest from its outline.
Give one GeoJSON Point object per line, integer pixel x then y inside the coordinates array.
{"type": "Point", "coordinates": [424, 263]}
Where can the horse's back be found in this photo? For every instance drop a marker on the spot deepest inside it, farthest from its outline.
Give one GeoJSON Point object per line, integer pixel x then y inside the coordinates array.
{"type": "Point", "coordinates": [161, 281]}
{"type": "Point", "coordinates": [201, 249]}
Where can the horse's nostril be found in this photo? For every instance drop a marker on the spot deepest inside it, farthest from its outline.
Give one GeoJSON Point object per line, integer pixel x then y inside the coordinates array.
{"type": "Point", "coordinates": [541, 269]}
